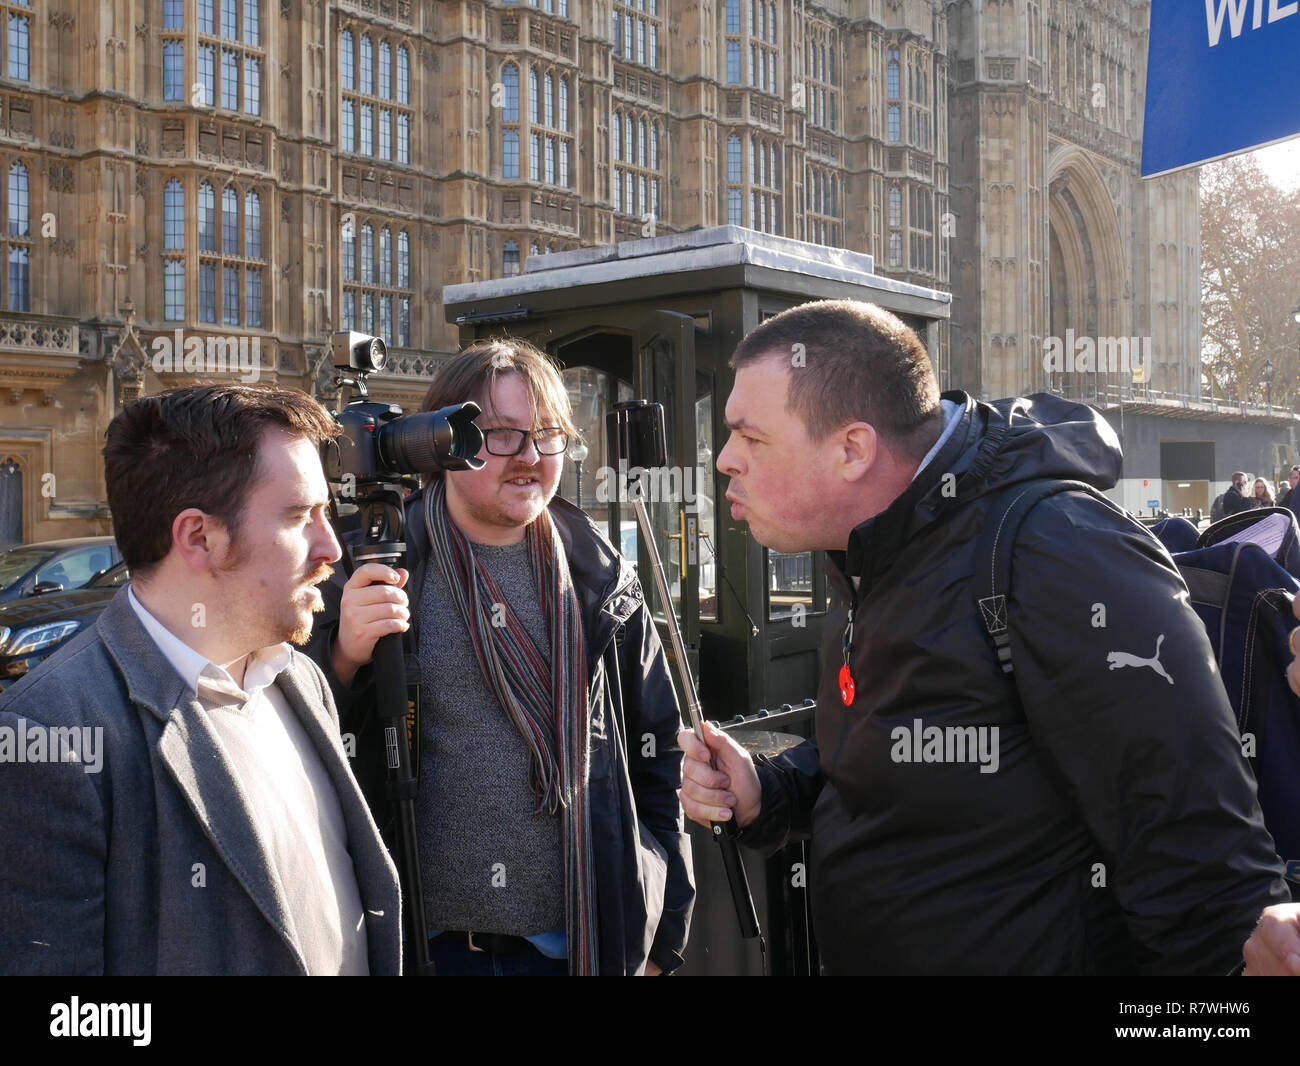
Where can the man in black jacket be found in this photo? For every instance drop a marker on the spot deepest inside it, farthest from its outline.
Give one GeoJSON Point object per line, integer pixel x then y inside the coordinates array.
{"type": "Point", "coordinates": [551, 839]}
{"type": "Point", "coordinates": [1091, 814]}
{"type": "Point", "coordinates": [1234, 499]}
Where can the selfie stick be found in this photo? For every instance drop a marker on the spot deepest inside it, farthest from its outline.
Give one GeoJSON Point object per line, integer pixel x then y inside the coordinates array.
{"type": "Point", "coordinates": [636, 431]}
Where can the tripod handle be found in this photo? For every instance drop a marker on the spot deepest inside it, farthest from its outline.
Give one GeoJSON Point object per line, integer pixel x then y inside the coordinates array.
{"type": "Point", "coordinates": [725, 833]}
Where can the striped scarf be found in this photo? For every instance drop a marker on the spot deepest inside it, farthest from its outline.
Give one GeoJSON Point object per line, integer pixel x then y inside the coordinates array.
{"type": "Point", "coordinates": [547, 706]}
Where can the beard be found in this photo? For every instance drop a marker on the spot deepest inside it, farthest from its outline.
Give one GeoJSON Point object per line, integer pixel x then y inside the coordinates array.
{"type": "Point", "coordinates": [299, 630]}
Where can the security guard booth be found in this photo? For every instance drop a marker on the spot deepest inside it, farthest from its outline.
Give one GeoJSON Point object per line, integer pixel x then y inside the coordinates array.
{"type": "Point", "coordinates": [658, 319]}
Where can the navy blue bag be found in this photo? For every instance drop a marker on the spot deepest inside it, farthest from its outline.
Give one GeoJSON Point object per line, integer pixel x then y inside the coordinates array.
{"type": "Point", "coordinates": [1243, 597]}
{"type": "Point", "coordinates": [1242, 593]}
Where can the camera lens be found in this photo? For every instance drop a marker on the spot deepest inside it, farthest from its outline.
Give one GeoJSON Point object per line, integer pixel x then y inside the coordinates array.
{"type": "Point", "coordinates": [377, 353]}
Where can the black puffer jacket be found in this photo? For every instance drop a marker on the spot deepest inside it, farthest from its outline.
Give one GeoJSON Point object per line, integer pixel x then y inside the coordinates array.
{"type": "Point", "coordinates": [645, 887]}
{"type": "Point", "coordinates": [1119, 832]}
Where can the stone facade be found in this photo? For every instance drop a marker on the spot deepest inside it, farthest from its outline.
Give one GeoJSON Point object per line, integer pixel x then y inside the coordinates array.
{"type": "Point", "coordinates": [272, 170]}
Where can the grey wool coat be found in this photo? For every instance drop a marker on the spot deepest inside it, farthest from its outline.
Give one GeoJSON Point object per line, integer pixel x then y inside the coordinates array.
{"type": "Point", "coordinates": [153, 864]}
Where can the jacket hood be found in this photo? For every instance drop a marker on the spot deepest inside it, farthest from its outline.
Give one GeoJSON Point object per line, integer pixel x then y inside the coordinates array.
{"type": "Point", "coordinates": [992, 447]}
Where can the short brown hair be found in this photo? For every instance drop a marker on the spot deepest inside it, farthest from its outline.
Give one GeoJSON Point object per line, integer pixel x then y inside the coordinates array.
{"type": "Point", "coordinates": [195, 446]}
{"type": "Point", "coordinates": [473, 374]}
{"type": "Point", "coordinates": [855, 362]}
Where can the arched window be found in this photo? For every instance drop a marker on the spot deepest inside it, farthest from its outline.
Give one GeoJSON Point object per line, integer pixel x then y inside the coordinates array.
{"type": "Point", "coordinates": [349, 251]}
{"type": "Point", "coordinates": [367, 254]}
{"type": "Point", "coordinates": [895, 207]}
{"type": "Point", "coordinates": [771, 21]}
{"type": "Point", "coordinates": [174, 215]}
{"type": "Point", "coordinates": [534, 96]}
{"type": "Point", "coordinates": [564, 104]}
{"type": "Point", "coordinates": [550, 100]}
{"type": "Point", "coordinates": [510, 265]}
{"type": "Point", "coordinates": [385, 257]}
{"type": "Point", "coordinates": [629, 137]}
{"type": "Point", "coordinates": [385, 70]}
{"type": "Point", "coordinates": [253, 226]}
{"type": "Point", "coordinates": [11, 501]}
{"type": "Point", "coordinates": [404, 77]}
{"type": "Point", "coordinates": [229, 221]}
{"type": "Point", "coordinates": [895, 123]}
{"type": "Point", "coordinates": [403, 260]}
{"type": "Point", "coordinates": [892, 70]}
{"type": "Point", "coordinates": [618, 136]}
{"type": "Point", "coordinates": [645, 138]}
{"type": "Point", "coordinates": [367, 65]}
{"type": "Point", "coordinates": [18, 200]}
{"type": "Point", "coordinates": [654, 148]}
{"type": "Point", "coordinates": [733, 158]}
{"type": "Point", "coordinates": [834, 195]}
{"type": "Point", "coordinates": [207, 218]}
{"type": "Point", "coordinates": [510, 79]}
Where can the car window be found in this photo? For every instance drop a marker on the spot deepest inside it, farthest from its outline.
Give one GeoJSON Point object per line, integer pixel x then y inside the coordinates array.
{"type": "Point", "coordinates": [74, 569]}
{"type": "Point", "coordinates": [111, 579]}
{"type": "Point", "coordinates": [16, 562]}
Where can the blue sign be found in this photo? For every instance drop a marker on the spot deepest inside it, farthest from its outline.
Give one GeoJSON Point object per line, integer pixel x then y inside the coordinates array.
{"type": "Point", "coordinates": [1223, 76]}
{"type": "Point", "coordinates": [1153, 503]}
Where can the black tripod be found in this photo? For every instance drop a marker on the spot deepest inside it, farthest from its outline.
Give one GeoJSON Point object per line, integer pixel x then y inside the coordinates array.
{"type": "Point", "coordinates": [383, 523]}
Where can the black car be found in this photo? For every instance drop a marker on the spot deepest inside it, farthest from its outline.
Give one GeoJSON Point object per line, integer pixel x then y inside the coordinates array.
{"type": "Point", "coordinates": [54, 565]}
{"type": "Point", "coordinates": [35, 628]}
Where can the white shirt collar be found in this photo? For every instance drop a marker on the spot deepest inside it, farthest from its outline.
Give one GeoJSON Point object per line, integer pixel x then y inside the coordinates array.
{"type": "Point", "coordinates": [204, 676]}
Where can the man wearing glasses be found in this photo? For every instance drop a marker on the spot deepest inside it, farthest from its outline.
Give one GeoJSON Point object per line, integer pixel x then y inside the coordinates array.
{"type": "Point", "coordinates": [550, 833]}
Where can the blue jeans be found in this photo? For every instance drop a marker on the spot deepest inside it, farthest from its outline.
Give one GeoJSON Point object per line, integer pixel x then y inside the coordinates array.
{"type": "Point", "coordinates": [453, 958]}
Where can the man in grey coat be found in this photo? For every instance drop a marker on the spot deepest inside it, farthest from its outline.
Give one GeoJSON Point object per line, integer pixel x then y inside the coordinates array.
{"type": "Point", "coordinates": [174, 795]}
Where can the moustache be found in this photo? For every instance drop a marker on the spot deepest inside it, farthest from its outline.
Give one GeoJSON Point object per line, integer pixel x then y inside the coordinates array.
{"type": "Point", "coordinates": [322, 573]}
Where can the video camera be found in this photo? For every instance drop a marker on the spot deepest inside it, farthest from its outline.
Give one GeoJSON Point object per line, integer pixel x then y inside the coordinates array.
{"type": "Point", "coordinates": [381, 445]}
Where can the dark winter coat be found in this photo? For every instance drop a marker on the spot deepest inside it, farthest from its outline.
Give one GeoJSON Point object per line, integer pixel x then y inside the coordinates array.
{"type": "Point", "coordinates": [1120, 831]}
{"type": "Point", "coordinates": [1234, 500]}
{"type": "Point", "coordinates": [645, 888]}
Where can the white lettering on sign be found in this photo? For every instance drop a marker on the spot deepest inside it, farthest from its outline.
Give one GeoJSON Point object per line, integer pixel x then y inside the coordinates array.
{"type": "Point", "coordinates": [1236, 10]}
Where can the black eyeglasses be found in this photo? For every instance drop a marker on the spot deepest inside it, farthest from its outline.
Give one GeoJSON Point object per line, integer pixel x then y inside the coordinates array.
{"type": "Point", "coordinates": [549, 440]}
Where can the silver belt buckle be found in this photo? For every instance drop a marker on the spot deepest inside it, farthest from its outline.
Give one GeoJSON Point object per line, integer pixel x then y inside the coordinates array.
{"type": "Point", "coordinates": [472, 946]}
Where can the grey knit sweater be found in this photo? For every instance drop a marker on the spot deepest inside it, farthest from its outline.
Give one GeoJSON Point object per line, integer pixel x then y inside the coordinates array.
{"type": "Point", "coordinates": [488, 863]}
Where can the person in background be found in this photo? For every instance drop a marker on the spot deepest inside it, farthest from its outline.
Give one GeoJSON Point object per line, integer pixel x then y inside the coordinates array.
{"type": "Point", "coordinates": [1263, 496]}
{"type": "Point", "coordinates": [1284, 497]}
{"type": "Point", "coordinates": [1234, 499]}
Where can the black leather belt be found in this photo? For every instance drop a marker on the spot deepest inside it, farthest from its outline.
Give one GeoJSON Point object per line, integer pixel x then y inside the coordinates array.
{"type": "Point", "coordinates": [492, 943]}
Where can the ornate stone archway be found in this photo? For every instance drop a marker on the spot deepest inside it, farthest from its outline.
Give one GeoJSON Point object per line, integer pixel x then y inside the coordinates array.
{"type": "Point", "coordinates": [1087, 270]}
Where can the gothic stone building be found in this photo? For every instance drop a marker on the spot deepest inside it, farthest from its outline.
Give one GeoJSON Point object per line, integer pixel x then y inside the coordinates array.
{"type": "Point", "coordinates": [189, 182]}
